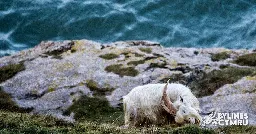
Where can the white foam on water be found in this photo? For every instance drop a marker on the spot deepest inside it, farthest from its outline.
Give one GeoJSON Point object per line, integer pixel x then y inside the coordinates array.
{"type": "Point", "coordinates": [7, 52]}
{"type": "Point", "coordinates": [9, 11]}
{"type": "Point", "coordinates": [64, 3]}
{"type": "Point", "coordinates": [90, 2]}
{"type": "Point", "coordinates": [39, 1]}
{"type": "Point", "coordinates": [6, 36]}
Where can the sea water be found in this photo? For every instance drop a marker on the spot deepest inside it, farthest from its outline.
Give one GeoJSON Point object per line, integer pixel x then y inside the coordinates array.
{"type": "Point", "coordinates": [173, 23]}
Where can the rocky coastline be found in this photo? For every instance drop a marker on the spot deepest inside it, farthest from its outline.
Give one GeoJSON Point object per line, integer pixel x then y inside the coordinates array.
{"type": "Point", "coordinates": [51, 78]}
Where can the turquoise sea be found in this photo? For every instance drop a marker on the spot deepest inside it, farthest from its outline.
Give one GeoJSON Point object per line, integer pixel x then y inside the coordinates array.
{"type": "Point", "coordinates": [173, 23]}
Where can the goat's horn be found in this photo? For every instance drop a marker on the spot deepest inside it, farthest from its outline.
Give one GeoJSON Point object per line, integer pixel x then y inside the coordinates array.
{"type": "Point", "coordinates": [166, 102]}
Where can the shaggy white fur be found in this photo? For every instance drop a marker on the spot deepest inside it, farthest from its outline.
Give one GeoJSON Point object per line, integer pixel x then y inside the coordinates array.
{"type": "Point", "coordinates": [143, 104]}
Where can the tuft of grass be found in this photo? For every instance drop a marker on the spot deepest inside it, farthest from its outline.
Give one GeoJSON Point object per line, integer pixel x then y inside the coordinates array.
{"type": "Point", "coordinates": [246, 60]}
{"type": "Point", "coordinates": [146, 49]}
{"type": "Point", "coordinates": [223, 66]}
{"type": "Point", "coordinates": [17, 123]}
{"type": "Point", "coordinates": [7, 104]}
{"type": "Point", "coordinates": [126, 54]}
{"type": "Point", "coordinates": [73, 50]}
{"type": "Point", "coordinates": [180, 78]}
{"type": "Point", "coordinates": [95, 109]}
{"type": "Point", "coordinates": [220, 56]}
{"type": "Point", "coordinates": [7, 72]}
{"type": "Point", "coordinates": [157, 65]}
{"type": "Point", "coordinates": [215, 79]}
{"type": "Point", "coordinates": [236, 129]}
{"type": "Point", "coordinates": [56, 54]}
{"type": "Point", "coordinates": [93, 86]}
{"type": "Point", "coordinates": [135, 63]}
{"type": "Point", "coordinates": [192, 129]}
{"type": "Point", "coordinates": [109, 56]}
{"type": "Point", "coordinates": [138, 55]}
{"type": "Point", "coordinates": [51, 89]}
{"type": "Point", "coordinates": [122, 71]}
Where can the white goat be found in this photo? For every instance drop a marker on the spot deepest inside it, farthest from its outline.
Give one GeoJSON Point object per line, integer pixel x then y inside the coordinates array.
{"type": "Point", "coordinates": [152, 104]}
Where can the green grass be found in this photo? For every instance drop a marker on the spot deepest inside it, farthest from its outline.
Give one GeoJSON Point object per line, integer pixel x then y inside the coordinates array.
{"type": "Point", "coordinates": [138, 55]}
{"type": "Point", "coordinates": [237, 130]}
{"type": "Point", "coordinates": [126, 54]}
{"type": "Point", "coordinates": [180, 78]}
{"type": "Point", "coordinates": [7, 104]}
{"type": "Point", "coordinates": [51, 89]}
{"type": "Point", "coordinates": [220, 56]}
{"type": "Point", "coordinates": [215, 79]}
{"type": "Point", "coordinates": [109, 56]}
{"type": "Point", "coordinates": [137, 62]}
{"type": "Point", "coordinates": [56, 54]}
{"type": "Point", "coordinates": [122, 71]}
{"type": "Point", "coordinates": [16, 123]}
{"type": "Point", "coordinates": [8, 71]}
{"type": "Point", "coordinates": [157, 65]}
{"type": "Point", "coordinates": [93, 86]}
{"type": "Point", "coordinates": [95, 109]}
{"type": "Point", "coordinates": [246, 60]}
{"type": "Point", "coordinates": [146, 49]}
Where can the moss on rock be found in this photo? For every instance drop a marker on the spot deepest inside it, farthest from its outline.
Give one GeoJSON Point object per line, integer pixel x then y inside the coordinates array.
{"type": "Point", "coordinates": [109, 56]}
{"type": "Point", "coordinates": [7, 104]}
{"type": "Point", "coordinates": [57, 53]}
{"type": "Point", "coordinates": [236, 129]}
{"type": "Point", "coordinates": [180, 78]}
{"type": "Point", "coordinates": [146, 49]}
{"type": "Point", "coordinates": [7, 72]}
{"type": "Point", "coordinates": [93, 86]}
{"type": "Point", "coordinates": [215, 79]}
{"type": "Point", "coordinates": [95, 109]}
{"type": "Point", "coordinates": [138, 55]}
{"type": "Point", "coordinates": [137, 62]}
{"type": "Point", "coordinates": [122, 71]}
{"type": "Point", "coordinates": [157, 65]}
{"type": "Point", "coordinates": [246, 60]}
{"type": "Point", "coordinates": [220, 56]}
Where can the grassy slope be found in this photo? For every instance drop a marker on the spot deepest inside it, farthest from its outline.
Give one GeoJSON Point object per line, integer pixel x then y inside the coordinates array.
{"type": "Point", "coordinates": [16, 123]}
{"type": "Point", "coordinates": [25, 123]}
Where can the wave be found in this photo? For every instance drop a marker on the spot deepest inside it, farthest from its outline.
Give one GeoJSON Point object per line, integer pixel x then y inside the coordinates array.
{"type": "Point", "coordinates": [197, 23]}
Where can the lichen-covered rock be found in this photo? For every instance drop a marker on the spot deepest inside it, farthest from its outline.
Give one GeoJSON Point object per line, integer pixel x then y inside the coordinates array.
{"type": "Point", "coordinates": [54, 75]}
{"type": "Point", "coordinates": [238, 97]}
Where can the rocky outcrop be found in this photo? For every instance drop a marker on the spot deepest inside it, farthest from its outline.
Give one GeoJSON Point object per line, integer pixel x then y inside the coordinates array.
{"type": "Point", "coordinates": [55, 74]}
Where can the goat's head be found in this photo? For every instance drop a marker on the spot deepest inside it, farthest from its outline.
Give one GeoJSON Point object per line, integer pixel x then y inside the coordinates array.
{"type": "Point", "coordinates": [183, 113]}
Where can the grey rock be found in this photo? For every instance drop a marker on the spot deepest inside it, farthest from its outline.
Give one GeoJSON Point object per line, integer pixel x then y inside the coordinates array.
{"type": "Point", "coordinates": [56, 74]}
